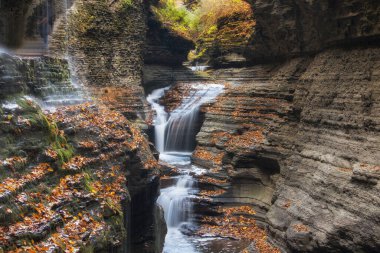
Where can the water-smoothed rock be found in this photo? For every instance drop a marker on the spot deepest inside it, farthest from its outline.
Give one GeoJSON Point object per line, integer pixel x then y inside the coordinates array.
{"type": "Point", "coordinates": [295, 142]}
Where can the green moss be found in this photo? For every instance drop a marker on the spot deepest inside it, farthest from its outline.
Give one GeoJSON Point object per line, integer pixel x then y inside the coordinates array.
{"type": "Point", "coordinates": [58, 141]}
{"type": "Point", "coordinates": [212, 29]}
{"type": "Point", "coordinates": [209, 23]}
{"type": "Point", "coordinates": [88, 249]}
{"type": "Point", "coordinates": [88, 181]}
{"type": "Point", "coordinates": [177, 18]}
{"type": "Point", "coordinates": [128, 3]}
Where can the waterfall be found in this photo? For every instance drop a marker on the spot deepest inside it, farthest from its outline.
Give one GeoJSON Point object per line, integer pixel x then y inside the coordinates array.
{"type": "Point", "coordinates": [161, 118]}
{"type": "Point", "coordinates": [54, 85]}
{"type": "Point", "coordinates": [199, 68]}
{"type": "Point", "coordinates": [175, 140]}
{"type": "Point", "coordinates": [48, 81]}
{"type": "Point", "coordinates": [176, 132]}
{"type": "Point", "coordinates": [175, 202]}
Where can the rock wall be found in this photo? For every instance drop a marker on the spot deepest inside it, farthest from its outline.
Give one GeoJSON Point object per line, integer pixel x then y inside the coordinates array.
{"type": "Point", "coordinates": [55, 166]}
{"type": "Point", "coordinates": [300, 140]}
{"type": "Point", "coordinates": [69, 157]}
{"type": "Point", "coordinates": [13, 16]}
{"type": "Point", "coordinates": [330, 181]}
{"type": "Point", "coordinates": [105, 45]}
{"type": "Point", "coordinates": [226, 43]}
{"type": "Point", "coordinates": [32, 76]}
{"type": "Point", "coordinates": [288, 28]}
{"type": "Point", "coordinates": [163, 46]}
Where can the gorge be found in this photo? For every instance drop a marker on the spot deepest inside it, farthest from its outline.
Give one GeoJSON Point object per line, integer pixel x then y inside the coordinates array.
{"type": "Point", "coordinates": [189, 126]}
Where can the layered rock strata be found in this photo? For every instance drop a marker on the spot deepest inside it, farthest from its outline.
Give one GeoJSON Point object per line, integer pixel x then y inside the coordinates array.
{"type": "Point", "coordinates": [288, 28]}
{"type": "Point", "coordinates": [300, 142]}
{"type": "Point", "coordinates": [105, 45]}
{"type": "Point", "coordinates": [33, 76]}
{"type": "Point", "coordinates": [226, 43]}
{"type": "Point", "coordinates": [65, 175]}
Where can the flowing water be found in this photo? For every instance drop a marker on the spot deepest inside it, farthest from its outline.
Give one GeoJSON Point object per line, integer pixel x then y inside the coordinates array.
{"type": "Point", "coordinates": [175, 138]}
{"type": "Point", "coordinates": [199, 68]}
{"type": "Point", "coordinates": [46, 90]}
{"type": "Point", "coordinates": [176, 132]}
{"type": "Point", "coordinates": [53, 95]}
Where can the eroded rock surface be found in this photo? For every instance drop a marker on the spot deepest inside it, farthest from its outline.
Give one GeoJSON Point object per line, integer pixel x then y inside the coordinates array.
{"type": "Point", "coordinates": [75, 179]}
{"type": "Point", "coordinates": [300, 141]}
{"type": "Point", "coordinates": [105, 42]}
{"type": "Point", "coordinates": [290, 27]}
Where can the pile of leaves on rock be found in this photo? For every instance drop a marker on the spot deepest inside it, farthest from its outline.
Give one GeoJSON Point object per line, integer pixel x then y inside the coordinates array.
{"type": "Point", "coordinates": [67, 194]}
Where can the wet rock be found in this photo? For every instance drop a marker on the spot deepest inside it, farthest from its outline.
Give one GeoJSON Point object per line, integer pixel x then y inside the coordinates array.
{"type": "Point", "coordinates": [299, 237]}
{"type": "Point", "coordinates": [69, 131]}
{"type": "Point", "coordinates": [160, 229]}
{"type": "Point", "coordinates": [188, 229]}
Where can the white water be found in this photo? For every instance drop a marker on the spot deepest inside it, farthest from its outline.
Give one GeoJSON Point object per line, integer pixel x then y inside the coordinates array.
{"type": "Point", "coordinates": [160, 119]}
{"type": "Point", "coordinates": [199, 68]}
{"type": "Point", "coordinates": [49, 95]}
{"type": "Point", "coordinates": [177, 205]}
{"type": "Point", "coordinates": [174, 138]}
{"type": "Point", "coordinates": [176, 132]}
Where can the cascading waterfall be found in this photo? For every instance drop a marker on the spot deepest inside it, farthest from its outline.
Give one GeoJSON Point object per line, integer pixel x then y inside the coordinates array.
{"type": "Point", "coordinates": [175, 203]}
{"type": "Point", "coordinates": [176, 132]}
{"type": "Point", "coordinates": [175, 139]}
{"type": "Point", "coordinates": [161, 118]}
{"type": "Point", "coordinates": [54, 92]}
{"type": "Point", "coordinates": [52, 85]}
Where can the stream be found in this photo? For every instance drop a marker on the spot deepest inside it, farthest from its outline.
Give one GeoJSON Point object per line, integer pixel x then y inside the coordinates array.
{"type": "Point", "coordinates": [175, 140]}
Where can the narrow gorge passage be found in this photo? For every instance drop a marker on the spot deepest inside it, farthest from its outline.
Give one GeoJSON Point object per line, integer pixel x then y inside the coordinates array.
{"type": "Point", "coordinates": [175, 140]}
{"type": "Point", "coordinates": [260, 134]}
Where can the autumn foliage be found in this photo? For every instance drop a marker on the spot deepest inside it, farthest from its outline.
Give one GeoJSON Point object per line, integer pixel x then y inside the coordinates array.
{"type": "Point", "coordinates": [201, 19]}
{"type": "Point", "coordinates": [237, 223]}
{"type": "Point", "coordinates": [67, 208]}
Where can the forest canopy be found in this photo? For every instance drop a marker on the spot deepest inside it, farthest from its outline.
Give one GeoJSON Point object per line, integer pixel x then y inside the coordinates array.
{"type": "Point", "coordinates": [195, 19]}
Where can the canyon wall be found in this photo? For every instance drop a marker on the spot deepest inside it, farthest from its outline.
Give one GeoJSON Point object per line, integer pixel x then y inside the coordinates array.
{"type": "Point", "coordinates": [13, 16]}
{"type": "Point", "coordinates": [103, 45]}
{"type": "Point", "coordinates": [64, 175]}
{"type": "Point", "coordinates": [105, 41]}
{"type": "Point", "coordinates": [288, 28]}
{"type": "Point", "coordinates": [299, 138]}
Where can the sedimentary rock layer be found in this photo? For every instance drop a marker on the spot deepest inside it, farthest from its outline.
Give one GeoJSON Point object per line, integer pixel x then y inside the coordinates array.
{"type": "Point", "coordinates": [301, 141]}
{"type": "Point", "coordinates": [64, 175]}
{"type": "Point", "coordinates": [290, 27]}
{"type": "Point", "coordinates": [105, 43]}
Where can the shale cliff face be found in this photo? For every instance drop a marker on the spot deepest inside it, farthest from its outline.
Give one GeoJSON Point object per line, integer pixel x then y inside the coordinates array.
{"type": "Point", "coordinates": [84, 179]}
{"type": "Point", "coordinates": [299, 139]}
{"type": "Point", "coordinates": [105, 42]}
{"type": "Point", "coordinates": [64, 175]}
{"type": "Point", "coordinates": [301, 142]}
{"type": "Point", "coordinates": [105, 45]}
{"type": "Point", "coordinates": [285, 28]}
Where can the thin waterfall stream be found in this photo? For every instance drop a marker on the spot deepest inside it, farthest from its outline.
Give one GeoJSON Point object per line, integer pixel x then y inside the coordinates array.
{"type": "Point", "coordinates": [175, 140]}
